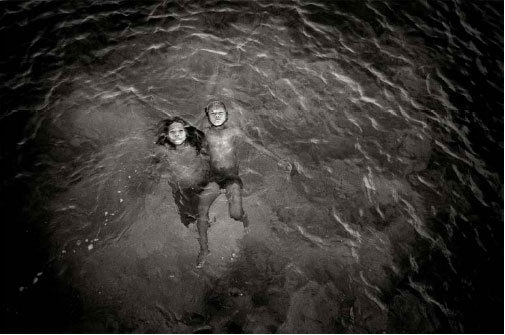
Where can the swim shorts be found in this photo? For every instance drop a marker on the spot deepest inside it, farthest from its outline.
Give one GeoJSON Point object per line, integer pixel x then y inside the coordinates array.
{"type": "Point", "coordinates": [225, 178]}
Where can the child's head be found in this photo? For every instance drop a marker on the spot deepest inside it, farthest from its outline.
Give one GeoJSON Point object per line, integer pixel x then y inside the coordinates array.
{"type": "Point", "coordinates": [175, 132]}
{"type": "Point", "coordinates": [216, 112]}
{"type": "Point", "coordinates": [172, 132]}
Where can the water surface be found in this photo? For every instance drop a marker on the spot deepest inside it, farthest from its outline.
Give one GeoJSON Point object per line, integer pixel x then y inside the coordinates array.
{"type": "Point", "coordinates": [391, 220]}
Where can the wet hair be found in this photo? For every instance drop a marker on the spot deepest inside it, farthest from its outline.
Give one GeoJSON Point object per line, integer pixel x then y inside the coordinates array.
{"type": "Point", "coordinates": [193, 136]}
{"type": "Point", "coordinates": [215, 104]}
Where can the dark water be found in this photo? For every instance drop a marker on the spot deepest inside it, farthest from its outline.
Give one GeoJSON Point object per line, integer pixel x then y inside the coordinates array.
{"type": "Point", "coordinates": [392, 113]}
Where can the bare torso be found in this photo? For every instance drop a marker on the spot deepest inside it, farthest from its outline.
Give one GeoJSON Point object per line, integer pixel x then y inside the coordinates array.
{"type": "Point", "coordinates": [185, 167]}
{"type": "Point", "coordinates": [222, 149]}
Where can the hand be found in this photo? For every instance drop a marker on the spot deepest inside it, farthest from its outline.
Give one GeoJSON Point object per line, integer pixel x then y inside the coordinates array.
{"type": "Point", "coordinates": [153, 175]}
{"type": "Point", "coordinates": [285, 165]}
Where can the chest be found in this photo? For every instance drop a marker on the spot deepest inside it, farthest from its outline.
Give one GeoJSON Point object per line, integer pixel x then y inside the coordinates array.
{"type": "Point", "coordinates": [221, 140]}
{"type": "Point", "coordinates": [182, 160]}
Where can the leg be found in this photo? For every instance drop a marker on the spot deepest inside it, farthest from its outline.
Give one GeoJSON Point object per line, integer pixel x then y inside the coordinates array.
{"type": "Point", "coordinates": [193, 199]}
{"type": "Point", "coordinates": [186, 201]}
{"type": "Point", "coordinates": [234, 195]}
{"type": "Point", "coordinates": [206, 198]}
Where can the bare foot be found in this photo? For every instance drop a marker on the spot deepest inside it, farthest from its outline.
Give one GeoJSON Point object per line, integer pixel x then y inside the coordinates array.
{"type": "Point", "coordinates": [245, 223]}
{"type": "Point", "coordinates": [202, 257]}
{"type": "Point", "coordinates": [285, 165]}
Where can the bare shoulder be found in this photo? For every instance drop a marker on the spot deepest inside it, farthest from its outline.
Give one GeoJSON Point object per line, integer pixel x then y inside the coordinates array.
{"type": "Point", "coordinates": [236, 131]}
{"type": "Point", "coordinates": [159, 151]}
{"type": "Point", "coordinates": [205, 128]}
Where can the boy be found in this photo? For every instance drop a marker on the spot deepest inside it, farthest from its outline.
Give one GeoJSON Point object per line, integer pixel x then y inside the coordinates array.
{"type": "Point", "coordinates": [221, 146]}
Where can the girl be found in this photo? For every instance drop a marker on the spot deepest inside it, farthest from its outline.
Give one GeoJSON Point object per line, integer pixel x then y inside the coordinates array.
{"type": "Point", "coordinates": [180, 154]}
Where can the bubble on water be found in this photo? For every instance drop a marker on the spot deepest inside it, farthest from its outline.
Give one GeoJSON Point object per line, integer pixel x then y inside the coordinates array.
{"type": "Point", "coordinates": [120, 200]}
{"type": "Point", "coordinates": [39, 274]}
{"type": "Point", "coordinates": [118, 191]}
{"type": "Point", "coordinates": [86, 240]}
{"type": "Point", "coordinates": [106, 213]}
{"type": "Point", "coordinates": [90, 247]}
{"type": "Point", "coordinates": [63, 251]}
{"type": "Point", "coordinates": [35, 280]}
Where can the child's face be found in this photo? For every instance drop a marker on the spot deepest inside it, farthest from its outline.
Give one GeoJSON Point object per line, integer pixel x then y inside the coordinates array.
{"type": "Point", "coordinates": [217, 116]}
{"type": "Point", "coordinates": [176, 133]}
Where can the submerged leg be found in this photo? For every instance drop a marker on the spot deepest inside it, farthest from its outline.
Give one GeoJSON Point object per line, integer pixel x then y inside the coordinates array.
{"type": "Point", "coordinates": [206, 198]}
{"type": "Point", "coordinates": [234, 196]}
{"type": "Point", "coordinates": [186, 201]}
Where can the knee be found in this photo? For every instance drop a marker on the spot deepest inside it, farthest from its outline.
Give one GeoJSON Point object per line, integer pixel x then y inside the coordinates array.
{"type": "Point", "coordinates": [236, 215]}
{"type": "Point", "coordinates": [236, 212]}
{"type": "Point", "coordinates": [234, 195]}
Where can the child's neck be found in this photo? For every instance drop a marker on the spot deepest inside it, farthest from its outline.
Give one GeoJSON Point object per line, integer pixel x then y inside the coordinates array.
{"type": "Point", "coordinates": [222, 126]}
{"type": "Point", "coordinates": [182, 146]}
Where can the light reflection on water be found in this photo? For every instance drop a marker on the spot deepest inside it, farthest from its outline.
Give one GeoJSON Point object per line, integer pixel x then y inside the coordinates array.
{"type": "Point", "coordinates": [365, 235]}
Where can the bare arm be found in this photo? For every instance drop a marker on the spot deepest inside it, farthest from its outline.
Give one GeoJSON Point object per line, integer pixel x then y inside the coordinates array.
{"type": "Point", "coordinates": [155, 168]}
{"type": "Point", "coordinates": [201, 122]}
{"type": "Point", "coordinates": [281, 161]}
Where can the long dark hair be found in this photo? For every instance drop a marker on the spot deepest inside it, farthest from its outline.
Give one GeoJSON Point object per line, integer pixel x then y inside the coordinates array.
{"type": "Point", "coordinates": [194, 136]}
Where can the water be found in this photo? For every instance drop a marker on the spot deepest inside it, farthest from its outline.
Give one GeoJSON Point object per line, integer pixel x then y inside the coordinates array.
{"type": "Point", "coordinates": [391, 112]}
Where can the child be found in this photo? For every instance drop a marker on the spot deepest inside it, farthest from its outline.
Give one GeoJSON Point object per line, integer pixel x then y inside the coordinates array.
{"type": "Point", "coordinates": [221, 145]}
{"type": "Point", "coordinates": [180, 152]}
